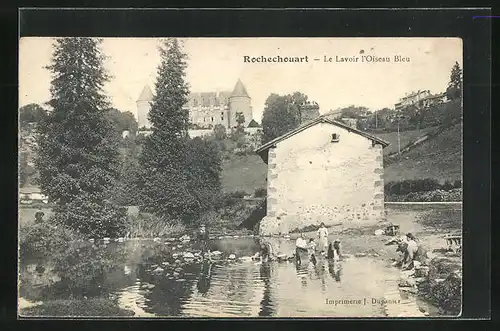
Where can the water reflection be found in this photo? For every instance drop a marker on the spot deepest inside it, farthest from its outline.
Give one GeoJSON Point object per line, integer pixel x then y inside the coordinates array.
{"type": "Point", "coordinates": [203, 284]}
{"type": "Point", "coordinates": [225, 288]}
{"type": "Point", "coordinates": [266, 302]}
{"type": "Point", "coordinates": [335, 269]}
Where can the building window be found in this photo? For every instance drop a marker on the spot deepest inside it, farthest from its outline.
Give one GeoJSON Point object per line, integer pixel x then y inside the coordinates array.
{"type": "Point", "coordinates": [222, 118]}
{"type": "Point", "coordinates": [222, 113]}
{"type": "Point", "coordinates": [212, 119]}
{"type": "Point", "coordinates": [335, 138]}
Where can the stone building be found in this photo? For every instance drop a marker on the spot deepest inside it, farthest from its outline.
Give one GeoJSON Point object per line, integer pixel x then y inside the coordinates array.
{"type": "Point", "coordinates": [323, 171]}
{"type": "Point", "coordinates": [419, 99]}
{"type": "Point", "coordinates": [206, 109]}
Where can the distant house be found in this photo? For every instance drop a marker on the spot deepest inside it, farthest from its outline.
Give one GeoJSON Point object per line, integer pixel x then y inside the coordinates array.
{"type": "Point", "coordinates": [323, 171]}
{"type": "Point", "coordinates": [352, 122]}
{"type": "Point", "coordinates": [419, 99]}
{"type": "Point", "coordinates": [31, 194]}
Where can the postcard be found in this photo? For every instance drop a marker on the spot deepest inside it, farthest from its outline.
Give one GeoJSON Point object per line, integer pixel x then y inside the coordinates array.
{"type": "Point", "coordinates": [240, 177]}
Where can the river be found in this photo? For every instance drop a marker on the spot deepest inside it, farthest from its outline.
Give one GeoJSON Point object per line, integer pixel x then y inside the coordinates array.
{"type": "Point", "coordinates": [356, 287]}
{"type": "Point", "coordinates": [170, 286]}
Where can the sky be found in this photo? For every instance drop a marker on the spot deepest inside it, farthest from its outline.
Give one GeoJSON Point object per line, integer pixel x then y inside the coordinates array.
{"type": "Point", "coordinates": [215, 64]}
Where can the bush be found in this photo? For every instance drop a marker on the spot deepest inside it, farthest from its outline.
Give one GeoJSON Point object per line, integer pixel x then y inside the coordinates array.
{"type": "Point", "coordinates": [147, 225]}
{"type": "Point", "coordinates": [87, 308]}
{"type": "Point", "coordinates": [417, 185]}
{"type": "Point", "coordinates": [43, 239]}
{"type": "Point", "coordinates": [260, 192]}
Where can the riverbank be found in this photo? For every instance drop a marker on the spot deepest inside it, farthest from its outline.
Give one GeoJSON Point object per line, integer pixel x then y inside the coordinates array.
{"type": "Point", "coordinates": [441, 282]}
{"type": "Point", "coordinates": [129, 256]}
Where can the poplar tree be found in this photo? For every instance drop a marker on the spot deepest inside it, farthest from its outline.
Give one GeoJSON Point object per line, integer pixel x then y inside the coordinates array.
{"type": "Point", "coordinates": [178, 178]}
{"type": "Point", "coordinates": [454, 90]}
{"type": "Point", "coordinates": [77, 154]}
{"type": "Point", "coordinates": [162, 181]}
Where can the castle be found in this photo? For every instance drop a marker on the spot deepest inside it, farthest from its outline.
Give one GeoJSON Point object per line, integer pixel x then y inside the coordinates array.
{"type": "Point", "coordinates": [206, 109]}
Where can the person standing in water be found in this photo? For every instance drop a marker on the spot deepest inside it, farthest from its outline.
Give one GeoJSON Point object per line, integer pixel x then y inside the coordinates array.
{"type": "Point", "coordinates": [323, 238]}
{"type": "Point", "coordinates": [203, 238]}
{"type": "Point", "coordinates": [300, 248]}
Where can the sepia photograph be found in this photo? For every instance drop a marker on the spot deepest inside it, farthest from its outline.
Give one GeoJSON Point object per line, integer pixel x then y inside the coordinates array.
{"type": "Point", "coordinates": [240, 177]}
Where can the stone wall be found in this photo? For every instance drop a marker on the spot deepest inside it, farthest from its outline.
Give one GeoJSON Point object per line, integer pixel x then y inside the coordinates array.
{"type": "Point", "coordinates": [313, 180]}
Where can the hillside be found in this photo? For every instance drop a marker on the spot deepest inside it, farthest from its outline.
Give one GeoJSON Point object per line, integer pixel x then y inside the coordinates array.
{"type": "Point", "coordinates": [243, 173]}
{"type": "Point", "coordinates": [405, 138]}
{"type": "Point", "coordinates": [439, 158]}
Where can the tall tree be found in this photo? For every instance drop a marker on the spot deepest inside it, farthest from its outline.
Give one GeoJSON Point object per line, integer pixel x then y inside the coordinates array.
{"type": "Point", "coordinates": [454, 90]}
{"type": "Point", "coordinates": [166, 182]}
{"type": "Point", "coordinates": [162, 181]}
{"type": "Point", "coordinates": [281, 114]}
{"type": "Point", "coordinates": [78, 158]}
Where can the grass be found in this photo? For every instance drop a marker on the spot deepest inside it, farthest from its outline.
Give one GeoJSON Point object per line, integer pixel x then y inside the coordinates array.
{"type": "Point", "coordinates": [405, 138]}
{"type": "Point", "coordinates": [243, 173]}
{"type": "Point", "coordinates": [439, 158]}
{"type": "Point", "coordinates": [77, 308]}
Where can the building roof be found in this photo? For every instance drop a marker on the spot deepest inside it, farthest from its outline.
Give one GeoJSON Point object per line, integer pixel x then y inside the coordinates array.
{"type": "Point", "coordinates": [146, 94]}
{"type": "Point", "coordinates": [239, 90]}
{"type": "Point", "coordinates": [317, 120]}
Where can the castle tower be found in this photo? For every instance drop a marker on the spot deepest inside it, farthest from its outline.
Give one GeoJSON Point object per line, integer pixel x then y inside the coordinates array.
{"type": "Point", "coordinates": [143, 107]}
{"type": "Point", "coordinates": [239, 101]}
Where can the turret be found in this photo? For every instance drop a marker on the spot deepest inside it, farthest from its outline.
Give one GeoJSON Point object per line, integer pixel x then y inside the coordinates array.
{"type": "Point", "coordinates": [143, 107]}
{"type": "Point", "coordinates": [240, 102]}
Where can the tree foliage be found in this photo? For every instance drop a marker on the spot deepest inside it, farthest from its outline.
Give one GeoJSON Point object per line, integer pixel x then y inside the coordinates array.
{"type": "Point", "coordinates": [31, 113]}
{"type": "Point", "coordinates": [454, 90]}
{"type": "Point", "coordinates": [220, 132]}
{"type": "Point", "coordinates": [77, 157]}
{"type": "Point", "coordinates": [171, 183]}
{"type": "Point", "coordinates": [240, 120]}
{"type": "Point", "coordinates": [122, 120]}
{"type": "Point", "coordinates": [281, 114]}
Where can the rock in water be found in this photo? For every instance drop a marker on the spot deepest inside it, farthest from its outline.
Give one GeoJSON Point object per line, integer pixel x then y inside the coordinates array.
{"type": "Point", "coordinates": [360, 254]}
{"type": "Point", "coordinates": [216, 253]}
{"type": "Point", "coordinates": [185, 238]}
{"type": "Point", "coordinates": [379, 232]}
{"type": "Point", "coordinates": [232, 257]}
{"type": "Point", "coordinates": [246, 258]}
{"type": "Point", "coordinates": [158, 270]}
{"type": "Point", "coordinates": [188, 255]}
